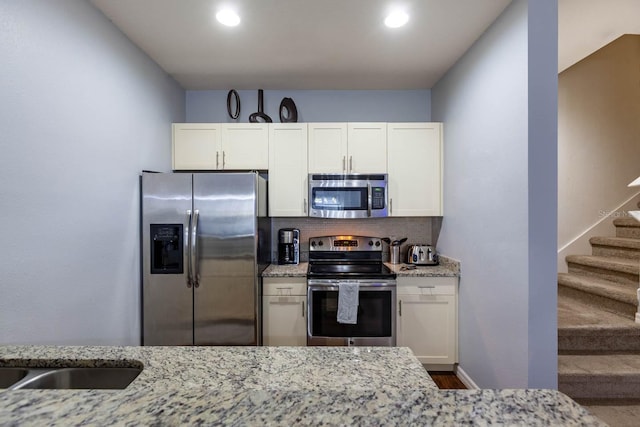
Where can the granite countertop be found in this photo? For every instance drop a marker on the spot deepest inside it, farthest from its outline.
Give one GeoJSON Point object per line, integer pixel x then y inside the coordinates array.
{"type": "Point", "coordinates": [270, 386]}
{"type": "Point", "coordinates": [287, 270]}
{"type": "Point", "coordinates": [447, 268]}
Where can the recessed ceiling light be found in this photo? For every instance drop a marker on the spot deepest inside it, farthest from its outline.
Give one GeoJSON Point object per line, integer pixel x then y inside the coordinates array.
{"type": "Point", "coordinates": [228, 17]}
{"type": "Point", "coordinates": [396, 19]}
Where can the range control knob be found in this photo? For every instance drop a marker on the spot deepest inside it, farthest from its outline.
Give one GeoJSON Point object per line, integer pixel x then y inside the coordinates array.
{"type": "Point", "coordinates": [320, 243]}
{"type": "Point", "coordinates": [377, 243]}
{"type": "Point", "coordinates": [313, 243]}
{"type": "Point", "coordinates": [370, 242]}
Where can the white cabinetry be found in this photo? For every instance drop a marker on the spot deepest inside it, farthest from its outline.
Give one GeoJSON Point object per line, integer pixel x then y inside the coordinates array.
{"type": "Point", "coordinates": [288, 169]}
{"type": "Point", "coordinates": [427, 319]}
{"type": "Point", "coordinates": [347, 147]}
{"type": "Point", "coordinates": [414, 162]}
{"type": "Point", "coordinates": [220, 146]}
{"type": "Point", "coordinates": [284, 311]}
{"type": "Point", "coordinates": [327, 147]}
{"type": "Point", "coordinates": [195, 146]}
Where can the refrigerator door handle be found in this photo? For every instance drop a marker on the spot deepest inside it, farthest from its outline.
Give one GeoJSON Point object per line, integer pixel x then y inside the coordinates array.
{"type": "Point", "coordinates": [188, 248]}
{"type": "Point", "coordinates": [194, 249]}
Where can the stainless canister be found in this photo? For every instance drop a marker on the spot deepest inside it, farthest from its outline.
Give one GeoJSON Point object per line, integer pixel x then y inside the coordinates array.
{"type": "Point", "coordinates": [394, 254]}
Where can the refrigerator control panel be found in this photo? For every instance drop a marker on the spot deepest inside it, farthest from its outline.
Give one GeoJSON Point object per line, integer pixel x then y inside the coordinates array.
{"type": "Point", "coordinates": [166, 249]}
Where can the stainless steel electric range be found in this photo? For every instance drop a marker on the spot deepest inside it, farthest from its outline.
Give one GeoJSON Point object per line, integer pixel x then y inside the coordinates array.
{"type": "Point", "coordinates": [351, 259]}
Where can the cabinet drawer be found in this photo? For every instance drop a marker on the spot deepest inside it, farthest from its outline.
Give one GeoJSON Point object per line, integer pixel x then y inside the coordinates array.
{"type": "Point", "coordinates": [427, 285]}
{"type": "Point", "coordinates": [284, 286]}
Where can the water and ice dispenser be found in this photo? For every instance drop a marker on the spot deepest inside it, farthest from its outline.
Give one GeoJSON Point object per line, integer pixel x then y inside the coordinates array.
{"type": "Point", "coordinates": [167, 249]}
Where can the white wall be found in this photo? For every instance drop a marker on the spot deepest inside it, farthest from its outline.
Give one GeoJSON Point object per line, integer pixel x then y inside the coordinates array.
{"type": "Point", "coordinates": [598, 138]}
{"type": "Point", "coordinates": [498, 106]}
{"type": "Point", "coordinates": [316, 105]}
{"type": "Point", "coordinates": [83, 111]}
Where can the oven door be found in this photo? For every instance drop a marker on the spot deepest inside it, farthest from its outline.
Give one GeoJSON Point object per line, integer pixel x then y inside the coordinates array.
{"type": "Point", "coordinates": [376, 323]}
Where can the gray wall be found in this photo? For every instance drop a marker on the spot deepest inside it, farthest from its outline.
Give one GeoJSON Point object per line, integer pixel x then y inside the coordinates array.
{"type": "Point", "coordinates": [83, 112]}
{"type": "Point", "coordinates": [498, 105]}
{"type": "Point", "coordinates": [316, 105]}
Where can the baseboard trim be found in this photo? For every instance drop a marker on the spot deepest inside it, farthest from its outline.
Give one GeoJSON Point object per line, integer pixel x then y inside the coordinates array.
{"type": "Point", "coordinates": [466, 379]}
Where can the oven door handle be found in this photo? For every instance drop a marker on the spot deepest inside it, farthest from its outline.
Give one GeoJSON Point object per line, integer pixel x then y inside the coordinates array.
{"type": "Point", "coordinates": [368, 199]}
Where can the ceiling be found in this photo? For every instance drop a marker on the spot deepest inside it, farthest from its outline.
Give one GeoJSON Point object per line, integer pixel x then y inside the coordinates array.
{"type": "Point", "coordinates": [585, 26]}
{"type": "Point", "coordinates": [339, 44]}
{"type": "Point", "coordinates": [303, 44]}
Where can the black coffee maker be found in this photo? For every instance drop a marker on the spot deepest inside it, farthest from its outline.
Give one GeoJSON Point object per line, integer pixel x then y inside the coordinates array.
{"type": "Point", "coordinates": [288, 246]}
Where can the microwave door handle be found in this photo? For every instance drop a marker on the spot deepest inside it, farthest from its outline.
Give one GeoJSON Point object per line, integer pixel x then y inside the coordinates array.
{"type": "Point", "coordinates": [194, 249]}
{"type": "Point", "coordinates": [368, 199]}
{"type": "Point", "coordinates": [188, 247]}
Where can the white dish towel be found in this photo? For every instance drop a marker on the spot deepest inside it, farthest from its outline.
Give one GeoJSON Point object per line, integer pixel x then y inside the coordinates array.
{"type": "Point", "coordinates": [348, 302]}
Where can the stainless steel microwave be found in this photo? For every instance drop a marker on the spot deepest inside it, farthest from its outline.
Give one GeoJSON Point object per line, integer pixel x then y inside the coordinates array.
{"type": "Point", "coordinates": [348, 196]}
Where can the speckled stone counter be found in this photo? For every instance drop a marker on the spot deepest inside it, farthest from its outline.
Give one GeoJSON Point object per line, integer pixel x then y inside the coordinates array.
{"type": "Point", "coordinates": [270, 386]}
{"type": "Point", "coordinates": [288, 270]}
{"type": "Point", "coordinates": [447, 268]}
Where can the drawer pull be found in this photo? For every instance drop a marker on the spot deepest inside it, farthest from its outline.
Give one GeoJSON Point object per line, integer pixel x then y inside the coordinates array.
{"type": "Point", "coordinates": [427, 287]}
{"type": "Point", "coordinates": [400, 308]}
{"type": "Point", "coordinates": [302, 302]}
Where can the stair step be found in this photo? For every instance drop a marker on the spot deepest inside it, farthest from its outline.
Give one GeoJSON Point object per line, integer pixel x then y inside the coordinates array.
{"type": "Point", "coordinates": [583, 328]}
{"type": "Point", "coordinates": [602, 376]}
{"type": "Point", "coordinates": [619, 247]}
{"type": "Point", "coordinates": [614, 412]}
{"type": "Point", "coordinates": [627, 227]}
{"type": "Point", "coordinates": [621, 270]}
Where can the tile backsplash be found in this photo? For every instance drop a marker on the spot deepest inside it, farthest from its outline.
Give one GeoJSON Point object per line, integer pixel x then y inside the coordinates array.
{"type": "Point", "coordinates": [417, 230]}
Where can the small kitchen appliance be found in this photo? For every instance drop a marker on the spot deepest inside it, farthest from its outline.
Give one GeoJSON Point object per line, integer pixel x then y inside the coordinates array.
{"type": "Point", "coordinates": [288, 246]}
{"type": "Point", "coordinates": [421, 254]}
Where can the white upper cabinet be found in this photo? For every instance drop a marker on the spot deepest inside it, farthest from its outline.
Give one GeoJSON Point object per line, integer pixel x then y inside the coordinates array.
{"type": "Point", "coordinates": [220, 146]}
{"type": "Point", "coordinates": [414, 160]}
{"type": "Point", "coordinates": [347, 148]}
{"type": "Point", "coordinates": [327, 147]}
{"type": "Point", "coordinates": [245, 146]}
{"type": "Point", "coordinates": [367, 148]}
{"type": "Point", "coordinates": [288, 169]}
{"type": "Point", "coordinates": [195, 145]}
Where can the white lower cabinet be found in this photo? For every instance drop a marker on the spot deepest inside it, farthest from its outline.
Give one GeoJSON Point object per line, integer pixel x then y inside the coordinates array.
{"type": "Point", "coordinates": [427, 318]}
{"type": "Point", "coordinates": [284, 311]}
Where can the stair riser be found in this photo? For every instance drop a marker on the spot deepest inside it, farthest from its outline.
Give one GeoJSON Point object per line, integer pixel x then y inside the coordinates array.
{"type": "Point", "coordinates": [630, 232]}
{"type": "Point", "coordinates": [604, 303]}
{"type": "Point", "coordinates": [600, 386]}
{"type": "Point", "coordinates": [612, 275]}
{"type": "Point", "coordinates": [585, 344]}
{"type": "Point", "coordinates": [616, 251]}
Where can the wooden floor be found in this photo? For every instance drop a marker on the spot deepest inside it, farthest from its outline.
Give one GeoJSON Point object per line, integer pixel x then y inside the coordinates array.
{"type": "Point", "coordinates": [446, 380]}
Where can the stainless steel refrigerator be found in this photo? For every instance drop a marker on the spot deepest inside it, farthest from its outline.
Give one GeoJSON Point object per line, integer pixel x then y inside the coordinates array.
{"type": "Point", "coordinates": [205, 240]}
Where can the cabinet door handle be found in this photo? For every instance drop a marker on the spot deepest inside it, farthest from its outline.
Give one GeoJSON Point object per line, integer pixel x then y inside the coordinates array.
{"type": "Point", "coordinates": [223, 158]}
{"type": "Point", "coordinates": [390, 206]}
{"type": "Point", "coordinates": [344, 165]}
{"type": "Point", "coordinates": [217, 159]}
{"type": "Point", "coordinates": [304, 206]}
{"type": "Point", "coordinates": [400, 308]}
{"type": "Point", "coordinates": [350, 163]}
{"type": "Point", "coordinates": [302, 302]}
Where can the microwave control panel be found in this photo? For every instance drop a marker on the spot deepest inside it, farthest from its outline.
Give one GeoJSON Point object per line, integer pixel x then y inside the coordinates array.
{"type": "Point", "coordinates": [377, 198]}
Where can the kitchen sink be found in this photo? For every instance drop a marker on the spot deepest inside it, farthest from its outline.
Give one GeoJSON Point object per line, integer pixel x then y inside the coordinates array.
{"type": "Point", "coordinates": [77, 378]}
{"type": "Point", "coordinates": [10, 376]}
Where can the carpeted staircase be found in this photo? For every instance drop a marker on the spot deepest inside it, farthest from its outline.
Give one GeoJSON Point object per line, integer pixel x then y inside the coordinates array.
{"type": "Point", "coordinates": [598, 339]}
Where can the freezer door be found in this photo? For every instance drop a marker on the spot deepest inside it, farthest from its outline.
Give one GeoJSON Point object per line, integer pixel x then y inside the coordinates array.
{"type": "Point", "coordinates": [226, 272]}
{"type": "Point", "coordinates": [167, 295]}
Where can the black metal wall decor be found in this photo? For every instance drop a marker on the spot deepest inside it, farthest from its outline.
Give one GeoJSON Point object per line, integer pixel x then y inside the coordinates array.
{"type": "Point", "coordinates": [233, 97]}
{"type": "Point", "coordinates": [288, 111]}
{"type": "Point", "coordinates": [260, 116]}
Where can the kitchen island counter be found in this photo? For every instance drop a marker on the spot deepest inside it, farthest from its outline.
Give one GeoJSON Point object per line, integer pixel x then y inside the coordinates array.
{"type": "Point", "coordinates": [269, 385]}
